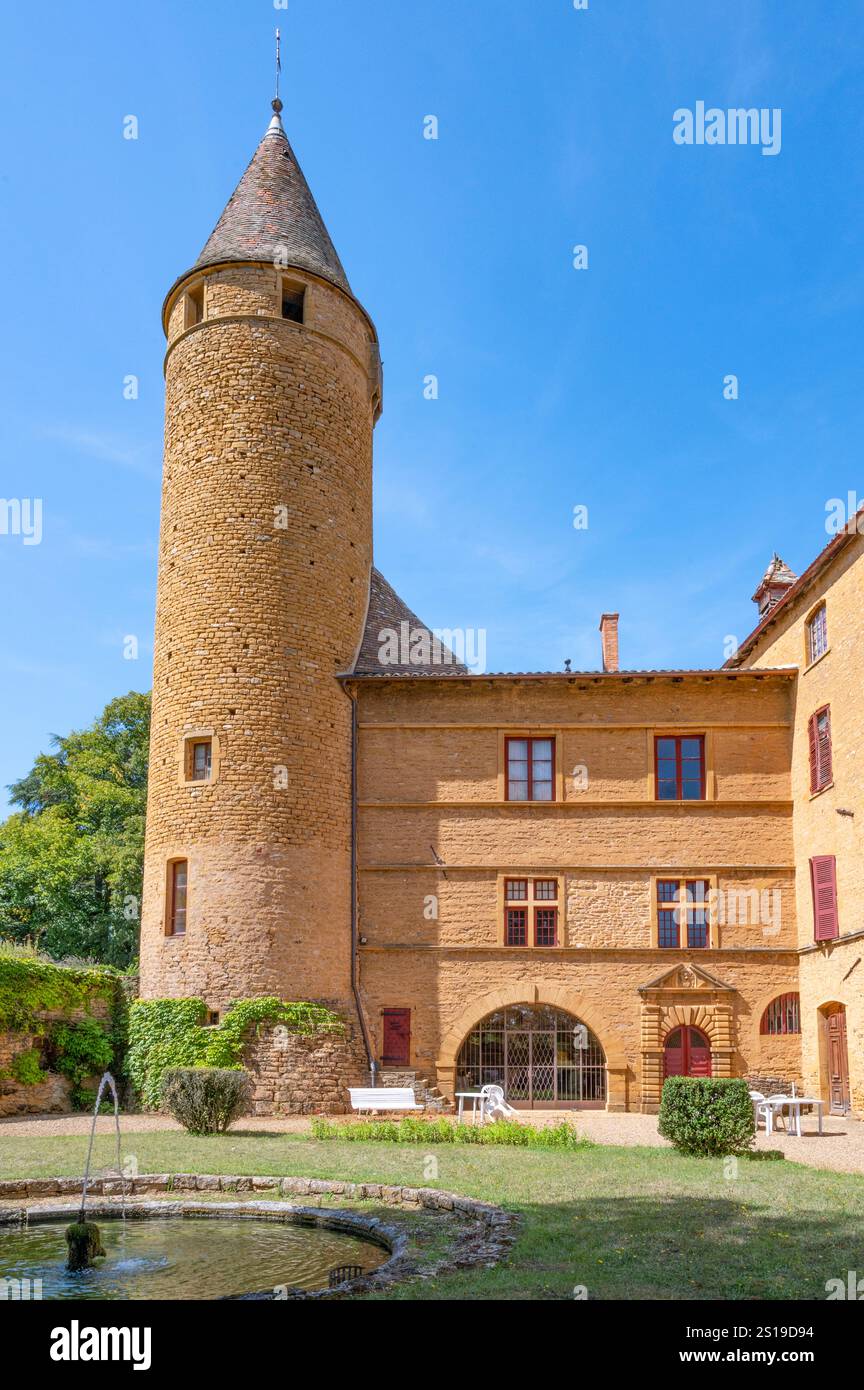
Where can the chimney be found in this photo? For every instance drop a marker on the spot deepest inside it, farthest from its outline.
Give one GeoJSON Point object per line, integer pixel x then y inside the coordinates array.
{"type": "Point", "coordinates": [609, 639]}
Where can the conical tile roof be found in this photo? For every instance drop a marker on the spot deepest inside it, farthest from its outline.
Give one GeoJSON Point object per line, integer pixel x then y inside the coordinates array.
{"type": "Point", "coordinates": [272, 216]}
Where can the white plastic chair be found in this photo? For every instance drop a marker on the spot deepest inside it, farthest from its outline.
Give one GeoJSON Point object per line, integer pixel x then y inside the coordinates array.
{"type": "Point", "coordinates": [493, 1106]}
{"type": "Point", "coordinates": [756, 1096]}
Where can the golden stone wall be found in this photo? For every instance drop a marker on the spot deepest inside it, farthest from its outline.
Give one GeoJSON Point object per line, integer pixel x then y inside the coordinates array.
{"type": "Point", "coordinates": [831, 821]}
{"type": "Point", "coordinates": [430, 784]}
{"type": "Point", "coordinates": [265, 553]}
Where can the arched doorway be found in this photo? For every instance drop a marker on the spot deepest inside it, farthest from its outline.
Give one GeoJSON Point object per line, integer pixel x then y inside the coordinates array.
{"type": "Point", "coordinates": [544, 1058]}
{"type": "Point", "coordinates": [686, 1052]}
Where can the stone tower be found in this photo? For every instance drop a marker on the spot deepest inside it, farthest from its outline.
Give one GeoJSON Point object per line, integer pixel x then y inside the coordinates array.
{"type": "Point", "coordinates": [273, 387]}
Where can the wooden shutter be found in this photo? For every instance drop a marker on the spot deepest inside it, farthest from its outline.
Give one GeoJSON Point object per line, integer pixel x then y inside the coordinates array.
{"type": "Point", "coordinates": [814, 753]}
{"type": "Point", "coordinates": [821, 762]}
{"type": "Point", "coordinates": [824, 744]}
{"type": "Point", "coordinates": [823, 876]}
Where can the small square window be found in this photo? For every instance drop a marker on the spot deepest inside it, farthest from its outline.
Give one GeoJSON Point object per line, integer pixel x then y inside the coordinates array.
{"type": "Point", "coordinates": [546, 889]}
{"type": "Point", "coordinates": [516, 890]}
{"type": "Point", "coordinates": [293, 303]}
{"type": "Point", "coordinates": [201, 760]}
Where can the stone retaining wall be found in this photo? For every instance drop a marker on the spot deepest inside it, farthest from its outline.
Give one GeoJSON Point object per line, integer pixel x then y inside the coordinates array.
{"type": "Point", "coordinates": [293, 1074]}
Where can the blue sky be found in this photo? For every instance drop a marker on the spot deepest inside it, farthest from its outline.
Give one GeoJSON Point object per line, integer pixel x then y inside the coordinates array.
{"type": "Point", "coordinates": [558, 387]}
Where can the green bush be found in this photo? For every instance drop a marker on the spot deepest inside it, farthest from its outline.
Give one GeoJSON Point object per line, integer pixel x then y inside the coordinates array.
{"type": "Point", "coordinates": [26, 1069]}
{"type": "Point", "coordinates": [707, 1116]}
{"type": "Point", "coordinates": [414, 1131]}
{"type": "Point", "coordinates": [81, 1050]}
{"type": "Point", "coordinates": [205, 1100]}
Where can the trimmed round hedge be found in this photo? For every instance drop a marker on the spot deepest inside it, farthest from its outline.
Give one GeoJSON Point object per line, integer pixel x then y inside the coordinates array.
{"type": "Point", "coordinates": [707, 1116]}
{"type": "Point", "coordinates": [205, 1100]}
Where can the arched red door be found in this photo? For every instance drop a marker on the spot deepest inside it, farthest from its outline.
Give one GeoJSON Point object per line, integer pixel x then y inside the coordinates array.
{"type": "Point", "coordinates": [687, 1052]}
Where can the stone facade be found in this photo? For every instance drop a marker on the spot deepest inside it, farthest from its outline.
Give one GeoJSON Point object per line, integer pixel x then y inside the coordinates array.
{"type": "Point", "coordinates": [825, 823]}
{"type": "Point", "coordinates": [340, 785]}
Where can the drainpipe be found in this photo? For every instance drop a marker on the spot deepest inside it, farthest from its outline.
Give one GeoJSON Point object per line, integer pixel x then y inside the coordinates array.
{"type": "Point", "coordinates": [355, 986]}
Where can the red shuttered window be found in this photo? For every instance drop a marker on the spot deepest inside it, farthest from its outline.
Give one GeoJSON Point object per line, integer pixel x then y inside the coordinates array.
{"type": "Point", "coordinates": [821, 763]}
{"type": "Point", "coordinates": [823, 877]}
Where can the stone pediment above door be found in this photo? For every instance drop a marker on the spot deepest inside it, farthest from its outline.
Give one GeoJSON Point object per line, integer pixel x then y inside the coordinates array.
{"type": "Point", "coordinates": [687, 977]}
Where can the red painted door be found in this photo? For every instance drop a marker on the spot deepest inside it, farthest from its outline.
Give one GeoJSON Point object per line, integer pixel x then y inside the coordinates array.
{"type": "Point", "coordinates": [838, 1063]}
{"type": "Point", "coordinates": [687, 1053]}
{"type": "Point", "coordinates": [397, 1038]}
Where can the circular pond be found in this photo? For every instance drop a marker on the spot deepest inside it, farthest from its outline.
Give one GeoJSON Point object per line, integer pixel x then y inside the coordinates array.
{"type": "Point", "coordinates": [185, 1258]}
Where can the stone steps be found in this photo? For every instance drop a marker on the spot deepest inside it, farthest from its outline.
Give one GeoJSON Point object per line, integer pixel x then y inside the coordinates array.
{"type": "Point", "coordinates": [425, 1094]}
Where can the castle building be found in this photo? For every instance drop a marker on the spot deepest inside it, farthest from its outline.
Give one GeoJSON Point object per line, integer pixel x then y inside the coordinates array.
{"type": "Point", "coordinates": [571, 883]}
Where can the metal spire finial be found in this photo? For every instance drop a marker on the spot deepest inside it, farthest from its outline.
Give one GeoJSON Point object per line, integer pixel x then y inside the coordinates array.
{"type": "Point", "coordinates": [277, 103]}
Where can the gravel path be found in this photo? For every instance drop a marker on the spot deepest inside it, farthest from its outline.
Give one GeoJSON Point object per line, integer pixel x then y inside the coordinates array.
{"type": "Point", "coordinates": [841, 1147]}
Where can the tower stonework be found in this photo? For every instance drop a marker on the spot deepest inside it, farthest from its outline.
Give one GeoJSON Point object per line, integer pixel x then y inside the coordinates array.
{"type": "Point", "coordinates": [273, 387]}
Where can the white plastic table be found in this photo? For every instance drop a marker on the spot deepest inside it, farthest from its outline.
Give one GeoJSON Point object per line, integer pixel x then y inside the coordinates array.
{"type": "Point", "coordinates": [794, 1104]}
{"type": "Point", "coordinates": [811, 1100]}
{"type": "Point", "coordinates": [474, 1097]}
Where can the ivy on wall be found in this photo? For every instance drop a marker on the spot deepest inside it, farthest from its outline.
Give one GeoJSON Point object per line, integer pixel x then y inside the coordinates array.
{"type": "Point", "coordinates": [75, 1048]}
{"type": "Point", "coordinates": [30, 987]}
{"type": "Point", "coordinates": [166, 1033]}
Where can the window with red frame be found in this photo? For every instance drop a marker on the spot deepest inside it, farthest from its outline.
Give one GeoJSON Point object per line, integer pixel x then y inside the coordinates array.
{"type": "Point", "coordinates": [546, 890]}
{"type": "Point", "coordinates": [817, 634]}
{"type": "Point", "coordinates": [545, 926]}
{"type": "Point", "coordinates": [517, 926]}
{"type": "Point", "coordinates": [530, 769]}
{"type": "Point", "coordinates": [683, 901]}
{"type": "Point", "coordinates": [821, 762]}
{"type": "Point", "coordinates": [531, 911]}
{"type": "Point", "coordinates": [680, 768]}
{"type": "Point", "coordinates": [783, 1015]}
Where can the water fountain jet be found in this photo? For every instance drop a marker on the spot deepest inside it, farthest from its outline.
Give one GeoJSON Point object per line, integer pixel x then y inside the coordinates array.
{"type": "Point", "coordinates": [83, 1237]}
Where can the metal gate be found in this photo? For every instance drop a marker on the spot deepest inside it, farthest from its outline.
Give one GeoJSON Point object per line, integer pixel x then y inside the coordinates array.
{"type": "Point", "coordinates": [544, 1059]}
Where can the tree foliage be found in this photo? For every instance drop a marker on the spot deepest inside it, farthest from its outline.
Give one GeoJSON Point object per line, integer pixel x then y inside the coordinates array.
{"type": "Point", "coordinates": [71, 856]}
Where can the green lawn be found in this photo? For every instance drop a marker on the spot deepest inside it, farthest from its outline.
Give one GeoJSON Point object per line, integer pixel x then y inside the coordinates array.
{"type": "Point", "coordinates": [637, 1223]}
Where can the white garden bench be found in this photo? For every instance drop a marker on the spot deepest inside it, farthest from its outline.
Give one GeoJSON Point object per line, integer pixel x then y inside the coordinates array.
{"type": "Point", "coordinates": [383, 1098]}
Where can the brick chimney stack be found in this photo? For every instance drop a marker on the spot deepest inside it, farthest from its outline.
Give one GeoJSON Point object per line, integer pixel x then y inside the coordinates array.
{"type": "Point", "coordinates": [609, 639]}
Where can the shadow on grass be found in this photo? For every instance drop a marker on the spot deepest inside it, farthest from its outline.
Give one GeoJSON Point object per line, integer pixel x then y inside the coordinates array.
{"type": "Point", "coordinates": [689, 1248]}
{"type": "Point", "coordinates": [663, 1249]}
